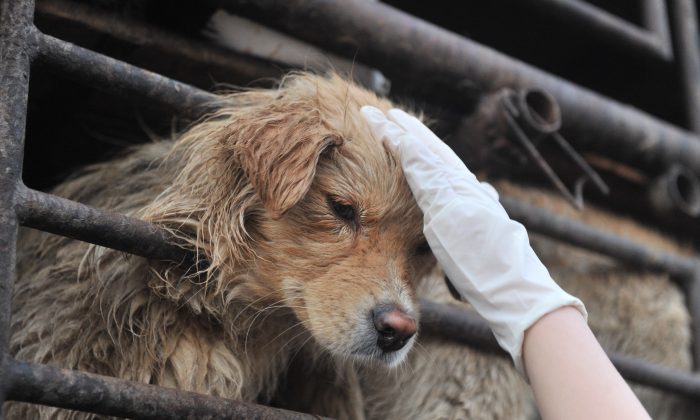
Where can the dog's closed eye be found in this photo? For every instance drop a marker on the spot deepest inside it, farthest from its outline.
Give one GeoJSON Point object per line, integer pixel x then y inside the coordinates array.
{"type": "Point", "coordinates": [345, 212]}
{"type": "Point", "coordinates": [422, 249]}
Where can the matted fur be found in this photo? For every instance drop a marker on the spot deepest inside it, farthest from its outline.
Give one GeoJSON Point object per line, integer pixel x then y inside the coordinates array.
{"type": "Point", "coordinates": [249, 189]}
{"type": "Point", "coordinates": [631, 311]}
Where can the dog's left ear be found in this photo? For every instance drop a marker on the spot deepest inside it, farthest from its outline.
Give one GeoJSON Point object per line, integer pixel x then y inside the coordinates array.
{"type": "Point", "coordinates": [279, 150]}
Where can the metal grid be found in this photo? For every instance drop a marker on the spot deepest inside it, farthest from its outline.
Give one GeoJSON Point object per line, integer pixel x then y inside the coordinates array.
{"type": "Point", "coordinates": [22, 43]}
{"type": "Point", "coordinates": [653, 39]}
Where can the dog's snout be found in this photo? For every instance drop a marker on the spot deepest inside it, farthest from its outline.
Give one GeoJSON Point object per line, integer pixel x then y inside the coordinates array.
{"type": "Point", "coordinates": [394, 327]}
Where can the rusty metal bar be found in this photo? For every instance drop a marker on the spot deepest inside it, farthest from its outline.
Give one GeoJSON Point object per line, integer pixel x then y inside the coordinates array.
{"type": "Point", "coordinates": [119, 78]}
{"type": "Point", "coordinates": [15, 60]}
{"type": "Point", "coordinates": [596, 240]}
{"type": "Point", "coordinates": [655, 19]}
{"type": "Point", "coordinates": [534, 218]}
{"type": "Point", "coordinates": [117, 397]}
{"type": "Point", "coordinates": [178, 96]}
{"type": "Point", "coordinates": [469, 328]}
{"type": "Point", "coordinates": [603, 25]}
{"type": "Point", "coordinates": [246, 68]}
{"type": "Point", "coordinates": [687, 42]}
{"type": "Point", "coordinates": [692, 297]}
{"type": "Point", "coordinates": [74, 220]}
{"type": "Point", "coordinates": [55, 215]}
{"type": "Point", "coordinates": [409, 48]}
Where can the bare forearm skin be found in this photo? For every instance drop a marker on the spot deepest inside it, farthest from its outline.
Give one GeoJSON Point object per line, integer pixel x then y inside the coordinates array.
{"type": "Point", "coordinates": [571, 375]}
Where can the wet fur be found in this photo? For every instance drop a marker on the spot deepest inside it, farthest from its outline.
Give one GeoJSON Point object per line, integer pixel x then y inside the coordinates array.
{"type": "Point", "coordinates": [242, 328]}
{"type": "Point", "coordinates": [248, 189]}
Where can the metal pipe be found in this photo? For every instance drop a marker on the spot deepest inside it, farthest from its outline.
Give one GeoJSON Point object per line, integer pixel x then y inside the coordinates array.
{"type": "Point", "coordinates": [692, 298]}
{"type": "Point", "coordinates": [486, 130]}
{"type": "Point", "coordinates": [248, 37]}
{"type": "Point", "coordinates": [655, 20]}
{"type": "Point", "coordinates": [676, 191]}
{"type": "Point", "coordinates": [122, 79]}
{"type": "Point", "coordinates": [411, 49]}
{"type": "Point", "coordinates": [68, 218]}
{"type": "Point", "coordinates": [687, 42]}
{"type": "Point", "coordinates": [579, 234]}
{"type": "Point", "coordinates": [469, 328]}
{"type": "Point", "coordinates": [117, 397]}
{"type": "Point", "coordinates": [178, 96]}
{"type": "Point", "coordinates": [605, 26]}
{"type": "Point", "coordinates": [15, 60]}
{"type": "Point", "coordinates": [245, 68]}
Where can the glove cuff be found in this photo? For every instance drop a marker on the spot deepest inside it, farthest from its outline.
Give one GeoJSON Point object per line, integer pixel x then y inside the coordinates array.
{"type": "Point", "coordinates": [514, 344]}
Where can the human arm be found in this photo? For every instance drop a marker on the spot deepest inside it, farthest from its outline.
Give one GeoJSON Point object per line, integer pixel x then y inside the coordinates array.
{"type": "Point", "coordinates": [488, 258]}
{"type": "Point", "coordinates": [571, 375]}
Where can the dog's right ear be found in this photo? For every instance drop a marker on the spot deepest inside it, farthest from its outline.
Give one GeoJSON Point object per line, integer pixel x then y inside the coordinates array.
{"type": "Point", "coordinates": [278, 149]}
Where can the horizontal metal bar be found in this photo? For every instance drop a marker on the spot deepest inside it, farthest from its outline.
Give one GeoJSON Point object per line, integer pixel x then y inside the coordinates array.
{"type": "Point", "coordinates": [117, 397]}
{"type": "Point", "coordinates": [585, 236]}
{"type": "Point", "coordinates": [534, 218]}
{"type": "Point", "coordinates": [119, 78]}
{"type": "Point", "coordinates": [65, 217]}
{"type": "Point", "coordinates": [408, 48]}
{"type": "Point", "coordinates": [245, 68]}
{"type": "Point", "coordinates": [606, 26]}
{"type": "Point", "coordinates": [38, 211]}
{"type": "Point", "coordinates": [68, 218]}
{"type": "Point", "coordinates": [469, 328]}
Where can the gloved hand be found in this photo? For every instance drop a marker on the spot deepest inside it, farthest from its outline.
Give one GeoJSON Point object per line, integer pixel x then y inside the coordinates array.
{"type": "Point", "coordinates": [486, 255]}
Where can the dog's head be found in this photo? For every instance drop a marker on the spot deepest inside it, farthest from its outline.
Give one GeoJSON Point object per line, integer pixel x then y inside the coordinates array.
{"type": "Point", "coordinates": [306, 209]}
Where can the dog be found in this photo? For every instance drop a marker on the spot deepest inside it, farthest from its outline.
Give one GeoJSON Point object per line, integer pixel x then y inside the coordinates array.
{"type": "Point", "coordinates": [313, 241]}
{"type": "Point", "coordinates": [315, 263]}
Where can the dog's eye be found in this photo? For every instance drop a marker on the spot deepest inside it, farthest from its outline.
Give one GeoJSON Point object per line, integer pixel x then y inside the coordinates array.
{"type": "Point", "coordinates": [423, 248]}
{"type": "Point", "coordinates": [343, 211]}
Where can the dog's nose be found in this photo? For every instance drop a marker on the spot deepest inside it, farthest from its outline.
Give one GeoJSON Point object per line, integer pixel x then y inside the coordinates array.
{"type": "Point", "coordinates": [394, 327]}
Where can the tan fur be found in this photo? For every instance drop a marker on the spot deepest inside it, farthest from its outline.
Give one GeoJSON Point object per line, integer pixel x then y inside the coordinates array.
{"type": "Point", "coordinates": [633, 312]}
{"type": "Point", "coordinates": [248, 189]}
{"type": "Point", "coordinates": [288, 283]}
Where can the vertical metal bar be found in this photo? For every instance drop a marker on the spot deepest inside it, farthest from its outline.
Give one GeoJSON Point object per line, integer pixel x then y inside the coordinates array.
{"type": "Point", "coordinates": [685, 23]}
{"type": "Point", "coordinates": [600, 23]}
{"type": "Point", "coordinates": [655, 20]}
{"type": "Point", "coordinates": [692, 295]}
{"type": "Point", "coordinates": [15, 22]}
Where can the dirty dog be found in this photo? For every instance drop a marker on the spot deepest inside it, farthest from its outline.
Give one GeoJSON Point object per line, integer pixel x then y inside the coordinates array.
{"type": "Point", "coordinates": [312, 236]}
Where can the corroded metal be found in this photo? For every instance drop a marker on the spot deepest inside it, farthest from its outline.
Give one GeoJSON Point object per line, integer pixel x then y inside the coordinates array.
{"type": "Point", "coordinates": [117, 397]}
{"type": "Point", "coordinates": [469, 328]}
{"type": "Point", "coordinates": [638, 255]}
{"type": "Point", "coordinates": [15, 60]}
{"type": "Point", "coordinates": [652, 41]}
{"type": "Point", "coordinates": [676, 191]}
{"type": "Point", "coordinates": [687, 42]}
{"type": "Point", "coordinates": [74, 220]}
{"type": "Point", "coordinates": [245, 68]}
{"type": "Point", "coordinates": [119, 78]}
{"type": "Point", "coordinates": [408, 48]}
{"type": "Point", "coordinates": [508, 125]}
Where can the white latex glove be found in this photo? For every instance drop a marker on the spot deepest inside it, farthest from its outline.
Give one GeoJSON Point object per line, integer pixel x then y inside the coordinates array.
{"type": "Point", "coordinates": [486, 255]}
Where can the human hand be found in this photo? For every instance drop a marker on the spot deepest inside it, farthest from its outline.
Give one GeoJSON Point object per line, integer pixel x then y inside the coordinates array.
{"type": "Point", "coordinates": [486, 255]}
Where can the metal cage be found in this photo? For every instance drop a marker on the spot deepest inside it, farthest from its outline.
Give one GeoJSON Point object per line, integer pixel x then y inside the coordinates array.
{"type": "Point", "coordinates": [636, 137]}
